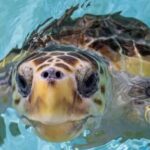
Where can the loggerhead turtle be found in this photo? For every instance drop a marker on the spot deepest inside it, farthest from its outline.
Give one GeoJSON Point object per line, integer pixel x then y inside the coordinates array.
{"type": "Point", "coordinates": [69, 72]}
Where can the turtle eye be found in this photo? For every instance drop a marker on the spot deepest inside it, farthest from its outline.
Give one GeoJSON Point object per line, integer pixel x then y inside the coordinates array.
{"type": "Point", "coordinates": [24, 88]}
{"type": "Point", "coordinates": [88, 85]}
{"type": "Point", "coordinates": [148, 91]}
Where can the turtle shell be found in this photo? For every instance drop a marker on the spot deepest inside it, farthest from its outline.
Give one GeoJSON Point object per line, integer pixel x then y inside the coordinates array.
{"type": "Point", "coordinates": [124, 41]}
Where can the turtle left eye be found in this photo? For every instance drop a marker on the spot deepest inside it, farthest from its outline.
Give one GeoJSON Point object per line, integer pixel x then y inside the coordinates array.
{"type": "Point", "coordinates": [24, 88]}
{"type": "Point", "coordinates": [89, 85]}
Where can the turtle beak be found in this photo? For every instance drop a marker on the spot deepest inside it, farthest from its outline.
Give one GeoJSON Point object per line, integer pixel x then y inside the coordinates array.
{"type": "Point", "coordinates": [60, 132]}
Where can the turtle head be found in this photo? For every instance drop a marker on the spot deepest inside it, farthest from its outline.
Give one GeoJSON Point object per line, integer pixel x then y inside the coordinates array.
{"type": "Point", "coordinates": [59, 91]}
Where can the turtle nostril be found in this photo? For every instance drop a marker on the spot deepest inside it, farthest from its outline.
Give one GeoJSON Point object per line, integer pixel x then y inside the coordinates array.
{"type": "Point", "coordinates": [58, 74]}
{"type": "Point", "coordinates": [52, 74]}
{"type": "Point", "coordinates": [45, 74]}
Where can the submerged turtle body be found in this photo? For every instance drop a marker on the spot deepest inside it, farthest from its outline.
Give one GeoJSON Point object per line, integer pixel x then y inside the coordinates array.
{"type": "Point", "coordinates": [70, 71]}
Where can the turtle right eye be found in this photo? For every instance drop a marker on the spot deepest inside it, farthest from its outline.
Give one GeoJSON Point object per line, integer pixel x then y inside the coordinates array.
{"type": "Point", "coordinates": [23, 86]}
{"type": "Point", "coordinates": [88, 85]}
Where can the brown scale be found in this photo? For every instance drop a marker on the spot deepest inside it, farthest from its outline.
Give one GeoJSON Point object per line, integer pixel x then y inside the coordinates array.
{"type": "Point", "coordinates": [40, 60]}
{"type": "Point", "coordinates": [103, 89]}
{"type": "Point", "coordinates": [98, 101]}
{"type": "Point", "coordinates": [64, 66]}
{"type": "Point", "coordinates": [50, 60]}
{"type": "Point", "coordinates": [32, 56]}
{"type": "Point", "coordinates": [42, 66]}
{"type": "Point", "coordinates": [17, 101]}
{"type": "Point", "coordinates": [69, 60]}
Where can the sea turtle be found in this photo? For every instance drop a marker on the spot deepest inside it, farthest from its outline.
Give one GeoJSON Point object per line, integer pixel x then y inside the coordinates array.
{"type": "Point", "coordinates": [72, 71]}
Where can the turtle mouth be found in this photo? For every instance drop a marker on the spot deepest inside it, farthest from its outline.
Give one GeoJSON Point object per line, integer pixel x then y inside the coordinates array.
{"type": "Point", "coordinates": [59, 132]}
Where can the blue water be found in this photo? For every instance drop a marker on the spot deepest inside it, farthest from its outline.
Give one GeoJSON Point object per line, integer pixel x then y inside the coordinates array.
{"type": "Point", "coordinates": [18, 18]}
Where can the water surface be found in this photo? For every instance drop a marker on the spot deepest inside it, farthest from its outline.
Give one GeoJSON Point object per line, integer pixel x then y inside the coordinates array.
{"type": "Point", "coordinates": [20, 17]}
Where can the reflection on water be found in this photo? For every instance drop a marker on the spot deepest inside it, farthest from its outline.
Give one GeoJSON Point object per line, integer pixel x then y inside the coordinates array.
{"type": "Point", "coordinates": [27, 139]}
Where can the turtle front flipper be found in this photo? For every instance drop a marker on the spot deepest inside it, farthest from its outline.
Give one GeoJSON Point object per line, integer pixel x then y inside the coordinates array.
{"type": "Point", "coordinates": [5, 88]}
{"type": "Point", "coordinates": [128, 113]}
{"type": "Point", "coordinates": [131, 95]}
{"type": "Point", "coordinates": [140, 96]}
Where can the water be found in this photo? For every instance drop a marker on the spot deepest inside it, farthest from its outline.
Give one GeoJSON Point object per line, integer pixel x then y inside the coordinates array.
{"type": "Point", "coordinates": [17, 19]}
